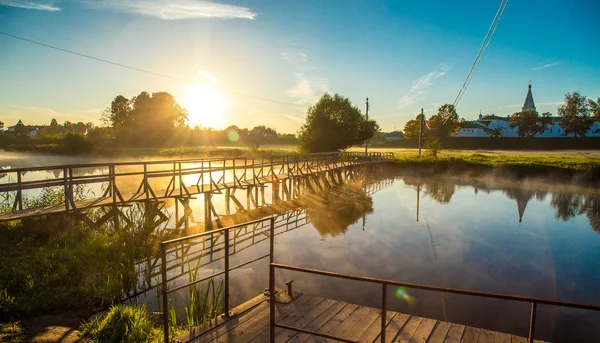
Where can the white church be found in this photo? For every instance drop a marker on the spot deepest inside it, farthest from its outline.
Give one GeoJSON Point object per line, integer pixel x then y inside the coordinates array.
{"type": "Point", "coordinates": [487, 125]}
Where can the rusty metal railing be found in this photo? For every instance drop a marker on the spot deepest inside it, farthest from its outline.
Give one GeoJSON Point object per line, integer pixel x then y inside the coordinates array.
{"type": "Point", "coordinates": [384, 283]}
{"type": "Point", "coordinates": [165, 291]}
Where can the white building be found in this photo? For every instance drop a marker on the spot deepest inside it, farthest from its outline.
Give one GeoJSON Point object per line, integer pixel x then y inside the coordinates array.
{"type": "Point", "coordinates": [492, 125]}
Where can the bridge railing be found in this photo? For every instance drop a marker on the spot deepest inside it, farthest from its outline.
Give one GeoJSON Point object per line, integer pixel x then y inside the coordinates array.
{"type": "Point", "coordinates": [206, 175]}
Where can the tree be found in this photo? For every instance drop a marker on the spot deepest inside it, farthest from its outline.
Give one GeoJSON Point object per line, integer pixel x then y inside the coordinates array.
{"type": "Point", "coordinates": [575, 115]}
{"type": "Point", "coordinates": [595, 108]}
{"type": "Point", "coordinates": [411, 128]}
{"type": "Point", "coordinates": [444, 123]}
{"type": "Point", "coordinates": [333, 123]}
{"type": "Point", "coordinates": [53, 122]}
{"type": "Point", "coordinates": [529, 123]}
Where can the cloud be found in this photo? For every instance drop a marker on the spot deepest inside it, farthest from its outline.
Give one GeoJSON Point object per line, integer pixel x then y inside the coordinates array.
{"type": "Point", "coordinates": [548, 65]}
{"type": "Point", "coordinates": [308, 90]}
{"type": "Point", "coordinates": [32, 115]}
{"type": "Point", "coordinates": [298, 60]}
{"type": "Point", "coordinates": [174, 9]}
{"type": "Point", "coordinates": [208, 76]}
{"type": "Point", "coordinates": [32, 5]}
{"type": "Point", "coordinates": [419, 87]}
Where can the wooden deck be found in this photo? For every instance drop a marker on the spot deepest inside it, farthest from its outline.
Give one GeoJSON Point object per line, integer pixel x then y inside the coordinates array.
{"type": "Point", "coordinates": [340, 319]}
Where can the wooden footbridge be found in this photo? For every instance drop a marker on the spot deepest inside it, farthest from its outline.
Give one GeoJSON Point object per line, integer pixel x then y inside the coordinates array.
{"type": "Point", "coordinates": [124, 183]}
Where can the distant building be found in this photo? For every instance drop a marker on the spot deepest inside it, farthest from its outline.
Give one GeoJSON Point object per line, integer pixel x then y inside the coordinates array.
{"type": "Point", "coordinates": [392, 136]}
{"type": "Point", "coordinates": [495, 126]}
{"type": "Point", "coordinates": [31, 131]}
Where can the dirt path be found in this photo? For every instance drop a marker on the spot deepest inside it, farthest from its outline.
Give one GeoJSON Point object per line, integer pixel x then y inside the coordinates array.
{"type": "Point", "coordinates": [63, 328]}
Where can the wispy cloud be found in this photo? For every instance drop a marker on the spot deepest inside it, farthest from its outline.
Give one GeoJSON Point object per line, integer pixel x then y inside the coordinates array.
{"type": "Point", "coordinates": [418, 90]}
{"type": "Point", "coordinates": [298, 60]}
{"type": "Point", "coordinates": [308, 90]}
{"type": "Point", "coordinates": [174, 9]}
{"type": "Point", "coordinates": [208, 76]}
{"type": "Point", "coordinates": [32, 5]}
{"type": "Point", "coordinates": [544, 66]}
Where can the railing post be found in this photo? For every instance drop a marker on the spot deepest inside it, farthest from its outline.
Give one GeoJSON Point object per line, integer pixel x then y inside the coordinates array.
{"type": "Point", "coordinates": [66, 188]}
{"type": "Point", "coordinates": [383, 310]}
{"type": "Point", "coordinates": [272, 239]}
{"type": "Point", "coordinates": [19, 192]}
{"type": "Point", "coordinates": [226, 305]}
{"type": "Point", "coordinates": [146, 180]}
{"type": "Point", "coordinates": [532, 322]}
{"type": "Point", "coordinates": [210, 180]}
{"type": "Point", "coordinates": [271, 303]}
{"type": "Point", "coordinates": [164, 291]}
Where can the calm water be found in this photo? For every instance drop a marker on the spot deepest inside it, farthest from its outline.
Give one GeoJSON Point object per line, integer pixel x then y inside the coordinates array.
{"type": "Point", "coordinates": [513, 238]}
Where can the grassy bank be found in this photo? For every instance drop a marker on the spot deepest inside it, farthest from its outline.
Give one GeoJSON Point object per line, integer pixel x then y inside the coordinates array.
{"type": "Point", "coordinates": [586, 165]}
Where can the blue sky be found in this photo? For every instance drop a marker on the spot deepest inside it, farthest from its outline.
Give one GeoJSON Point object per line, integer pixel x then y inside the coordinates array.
{"type": "Point", "coordinates": [403, 55]}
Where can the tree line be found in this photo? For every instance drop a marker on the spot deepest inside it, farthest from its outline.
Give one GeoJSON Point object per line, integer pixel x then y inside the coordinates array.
{"type": "Point", "coordinates": [577, 115]}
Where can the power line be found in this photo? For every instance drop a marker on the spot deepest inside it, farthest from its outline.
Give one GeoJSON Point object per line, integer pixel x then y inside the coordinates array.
{"type": "Point", "coordinates": [138, 69]}
{"type": "Point", "coordinates": [484, 45]}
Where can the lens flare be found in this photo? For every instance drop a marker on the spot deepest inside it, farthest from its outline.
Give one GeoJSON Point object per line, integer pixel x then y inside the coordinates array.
{"type": "Point", "coordinates": [233, 135]}
{"type": "Point", "coordinates": [403, 295]}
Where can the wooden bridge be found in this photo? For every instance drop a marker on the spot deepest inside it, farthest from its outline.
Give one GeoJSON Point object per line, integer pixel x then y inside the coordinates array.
{"type": "Point", "coordinates": [155, 181]}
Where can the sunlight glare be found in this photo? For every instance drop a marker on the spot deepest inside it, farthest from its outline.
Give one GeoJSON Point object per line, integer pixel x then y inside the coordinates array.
{"type": "Point", "coordinates": [206, 107]}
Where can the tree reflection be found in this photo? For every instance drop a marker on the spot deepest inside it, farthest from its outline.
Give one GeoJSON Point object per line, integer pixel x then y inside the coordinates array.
{"type": "Point", "coordinates": [333, 211]}
{"type": "Point", "coordinates": [592, 211]}
{"type": "Point", "coordinates": [440, 191]}
{"type": "Point", "coordinates": [567, 205]}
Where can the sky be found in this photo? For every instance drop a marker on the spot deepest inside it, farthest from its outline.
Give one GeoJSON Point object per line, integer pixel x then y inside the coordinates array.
{"type": "Point", "coordinates": [263, 62]}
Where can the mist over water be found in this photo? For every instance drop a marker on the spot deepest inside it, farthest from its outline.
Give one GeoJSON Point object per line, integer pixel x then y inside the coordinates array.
{"type": "Point", "coordinates": [530, 238]}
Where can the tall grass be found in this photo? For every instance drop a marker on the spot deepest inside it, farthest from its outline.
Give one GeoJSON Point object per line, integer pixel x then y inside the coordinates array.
{"type": "Point", "coordinates": [127, 324]}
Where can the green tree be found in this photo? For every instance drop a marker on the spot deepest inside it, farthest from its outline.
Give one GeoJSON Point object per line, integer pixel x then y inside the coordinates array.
{"type": "Point", "coordinates": [575, 115]}
{"type": "Point", "coordinates": [444, 123]}
{"type": "Point", "coordinates": [411, 128]}
{"type": "Point", "coordinates": [529, 123]}
{"type": "Point", "coordinates": [333, 123]}
{"type": "Point", "coordinates": [53, 122]}
{"type": "Point", "coordinates": [595, 108]}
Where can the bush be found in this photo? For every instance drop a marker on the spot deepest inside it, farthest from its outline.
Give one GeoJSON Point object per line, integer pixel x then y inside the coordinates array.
{"type": "Point", "coordinates": [74, 143]}
{"type": "Point", "coordinates": [121, 324]}
{"type": "Point", "coordinates": [433, 147]}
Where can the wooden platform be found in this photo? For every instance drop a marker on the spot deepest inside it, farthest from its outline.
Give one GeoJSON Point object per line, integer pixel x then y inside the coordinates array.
{"type": "Point", "coordinates": [340, 319]}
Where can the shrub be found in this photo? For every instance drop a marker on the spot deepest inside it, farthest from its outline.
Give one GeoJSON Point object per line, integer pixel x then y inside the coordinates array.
{"type": "Point", "coordinates": [121, 324]}
{"type": "Point", "coordinates": [75, 143]}
{"type": "Point", "coordinates": [433, 147]}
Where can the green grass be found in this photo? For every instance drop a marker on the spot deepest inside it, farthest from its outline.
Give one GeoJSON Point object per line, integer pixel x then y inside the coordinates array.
{"type": "Point", "coordinates": [127, 324]}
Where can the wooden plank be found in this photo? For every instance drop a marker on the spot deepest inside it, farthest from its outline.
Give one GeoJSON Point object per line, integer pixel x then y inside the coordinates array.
{"type": "Point", "coordinates": [439, 332]}
{"type": "Point", "coordinates": [471, 335]}
{"type": "Point", "coordinates": [302, 320]}
{"type": "Point", "coordinates": [363, 324]}
{"type": "Point", "coordinates": [423, 331]}
{"type": "Point", "coordinates": [350, 322]}
{"type": "Point", "coordinates": [408, 330]}
{"type": "Point", "coordinates": [395, 325]}
{"type": "Point", "coordinates": [320, 321]}
{"type": "Point", "coordinates": [374, 330]}
{"type": "Point", "coordinates": [455, 333]}
{"type": "Point", "coordinates": [261, 334]}
{"type": "Point", "coordinates": [334, 322]}
{"type": "Point", "coordinates": [486, 336]}
{"type": "Point", "coordinates": [502, 337]}
{"type": "Point", "coordinates": [244, 311]}
{"type": "Point", "coordinates": [518, 339]}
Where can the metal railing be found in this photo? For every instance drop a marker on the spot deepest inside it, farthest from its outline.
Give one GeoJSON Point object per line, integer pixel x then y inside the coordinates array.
{"type": "Point", "coordinates": [165, 291]}
{"type": "Point", "coordinates": [385, 283]}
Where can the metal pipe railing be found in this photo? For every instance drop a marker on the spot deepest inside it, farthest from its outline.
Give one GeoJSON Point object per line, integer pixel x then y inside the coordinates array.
{"type": "Point", "coordinates": [533, 301]}
{"type": "Point", "coordinates": [165, 291]}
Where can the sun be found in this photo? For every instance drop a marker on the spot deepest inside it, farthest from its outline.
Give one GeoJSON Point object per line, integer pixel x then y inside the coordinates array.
{"type": "Point", "coordinates": [206, 107]}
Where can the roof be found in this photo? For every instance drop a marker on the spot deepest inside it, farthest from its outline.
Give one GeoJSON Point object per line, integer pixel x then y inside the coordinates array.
{"type": "Point", "coordinates": [529, 105]}
{"type": "Point", "coordinates": [469, 125]}
{"type": "Point", "coordinates": [493, 117]}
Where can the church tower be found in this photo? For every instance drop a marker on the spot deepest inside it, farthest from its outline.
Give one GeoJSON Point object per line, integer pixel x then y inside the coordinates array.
{"type": "Point", "coordinates": [529, 105]}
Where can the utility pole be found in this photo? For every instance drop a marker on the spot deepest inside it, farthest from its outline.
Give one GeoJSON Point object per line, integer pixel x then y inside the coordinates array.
{"type": "Point", "coordinates": [420, 130]}
{"type": "Point", "coordinates": [367, 142]}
